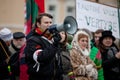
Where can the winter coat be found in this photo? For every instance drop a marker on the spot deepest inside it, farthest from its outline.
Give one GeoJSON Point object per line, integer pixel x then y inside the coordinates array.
{"type": "Point", "coordinates": [80, 60]}
{"type": "Point", "coordinates": [4, 51]}
{"type": "Point", "coordinates": [44, 67]}
{"type": "Point", "coordinates": [111, 65]}
{"type": "Point", "coordinates": [66, 65]}
{"type": "Point", "coordinates": [14, 61]}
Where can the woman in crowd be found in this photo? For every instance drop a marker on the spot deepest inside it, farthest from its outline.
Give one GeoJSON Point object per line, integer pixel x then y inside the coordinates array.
{"type": "Point", "coordinates": [63, 56]}
{"type": "Point", "coordinates": [110, 56]}
{"type": "Point", "coordinates": [83, 67]}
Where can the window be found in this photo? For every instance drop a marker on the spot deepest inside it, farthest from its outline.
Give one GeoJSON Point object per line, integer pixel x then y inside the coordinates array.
{"type": "Point", "coordinates": [51, 8]}
{"type": "Point", "coordinates": [70, 9]}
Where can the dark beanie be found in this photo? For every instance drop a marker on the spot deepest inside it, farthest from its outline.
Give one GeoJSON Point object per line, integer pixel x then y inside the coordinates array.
{"type": "Point", "coordinates": [18, 35]}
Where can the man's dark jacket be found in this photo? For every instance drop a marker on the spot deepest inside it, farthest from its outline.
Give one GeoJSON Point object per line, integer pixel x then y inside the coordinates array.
{"type": "Point", "coordinates": [46, 57]}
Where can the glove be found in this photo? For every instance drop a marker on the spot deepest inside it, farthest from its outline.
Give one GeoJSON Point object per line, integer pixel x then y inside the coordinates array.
{"type": "Point", "coordinates": [56, 38]}
{"type": "Point", "coordinates": [81, 70]}
{"type": "Point", "coordinates": [89, 67]}
{"type": "Point", "coordinates": [93, 73]}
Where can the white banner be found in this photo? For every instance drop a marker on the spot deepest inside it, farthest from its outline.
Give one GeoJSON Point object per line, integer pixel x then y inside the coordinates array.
{"type": "Point", "coordinates": [95, 16]}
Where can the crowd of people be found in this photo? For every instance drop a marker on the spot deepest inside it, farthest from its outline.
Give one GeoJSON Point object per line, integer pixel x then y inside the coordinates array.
{"type": "Point", "coordinates": [42, 55]}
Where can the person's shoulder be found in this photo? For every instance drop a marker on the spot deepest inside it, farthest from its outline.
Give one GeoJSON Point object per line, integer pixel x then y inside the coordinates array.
{"type": "Point", "coordinates": [114, 47]}
{"type": "Point", "coordinates": [2, 42]}
{"type": "Point", "coordinates": [30, 34]}
{"type": "Point", "coordinates": [73, 51]}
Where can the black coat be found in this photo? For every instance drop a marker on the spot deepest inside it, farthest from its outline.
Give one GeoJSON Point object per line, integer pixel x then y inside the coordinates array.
{"type": "Point", "coordinates": [46, 58]}
{"type": "Point", "coordinates": [3, 64]}
{"type": "Point", "coordinates": [111, 65]}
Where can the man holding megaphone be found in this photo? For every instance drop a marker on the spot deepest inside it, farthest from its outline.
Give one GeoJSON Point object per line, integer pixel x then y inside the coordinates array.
{"type": "Point", "coordinates": [41, 51]}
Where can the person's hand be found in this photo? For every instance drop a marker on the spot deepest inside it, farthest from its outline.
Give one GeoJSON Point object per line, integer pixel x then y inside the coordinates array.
{"type": "Point", "coordinates": [93, 73]}
{"type": "Point", "coordinates": [118, 55]}
{"type": "Point", "coordinates": [81, 70]}
{"type": "Point", "coordinates": [89, 67]}
{"type": "Point", "coordinates": [56, 38]}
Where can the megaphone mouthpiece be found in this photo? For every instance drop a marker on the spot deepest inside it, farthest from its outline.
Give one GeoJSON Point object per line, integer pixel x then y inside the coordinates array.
{"type": "Point", "coordinates": [52, 28]}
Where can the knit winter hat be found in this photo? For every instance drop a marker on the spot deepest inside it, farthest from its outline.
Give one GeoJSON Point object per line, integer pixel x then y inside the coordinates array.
{"type": "Point", "coordinates": [6, 34]}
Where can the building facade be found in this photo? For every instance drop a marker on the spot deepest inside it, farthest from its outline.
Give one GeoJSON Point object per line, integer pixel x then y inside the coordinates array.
{"type": "Point", "coordinates": [12, 11]}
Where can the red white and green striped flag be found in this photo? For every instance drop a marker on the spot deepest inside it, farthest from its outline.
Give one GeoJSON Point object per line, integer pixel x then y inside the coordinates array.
{"type": "Point", "coordinates": [32, 9]}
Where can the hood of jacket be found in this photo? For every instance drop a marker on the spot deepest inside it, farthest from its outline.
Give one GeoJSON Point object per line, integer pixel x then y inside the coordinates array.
{"type": "Point", "coordinates": [76, 45]}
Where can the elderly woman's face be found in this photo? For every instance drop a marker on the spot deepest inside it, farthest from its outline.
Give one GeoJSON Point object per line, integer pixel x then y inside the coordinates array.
{"type": "Point", "coordinates": [107, 41]}
{"type": "Point", "coordinates": [83, 42]}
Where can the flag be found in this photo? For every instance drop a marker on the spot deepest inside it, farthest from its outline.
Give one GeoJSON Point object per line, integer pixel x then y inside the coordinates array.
{"type": "Point", "coordinates": [32, 9]}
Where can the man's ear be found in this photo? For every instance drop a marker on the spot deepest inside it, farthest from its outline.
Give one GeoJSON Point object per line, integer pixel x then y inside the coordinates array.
{"type": "Point", "coordinates": [38, 24]}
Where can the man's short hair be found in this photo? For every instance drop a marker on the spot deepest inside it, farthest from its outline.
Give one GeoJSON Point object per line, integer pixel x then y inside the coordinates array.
{"type": "Point", "coordinates": [39, 17]}
{"type": "Point", "coordinates": [98, 31]}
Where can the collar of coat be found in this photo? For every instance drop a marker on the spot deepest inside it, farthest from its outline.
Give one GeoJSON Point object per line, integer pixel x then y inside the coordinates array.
{"type": "Point", "coordinates": [40, 32]}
